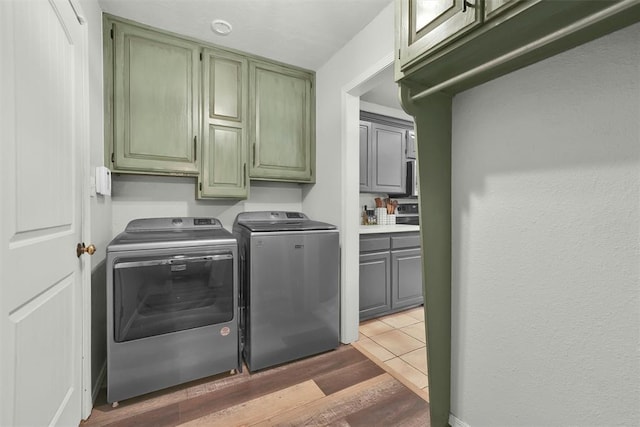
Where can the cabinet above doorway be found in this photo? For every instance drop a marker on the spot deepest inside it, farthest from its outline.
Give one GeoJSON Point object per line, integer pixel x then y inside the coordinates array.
{"type": "Point", "coordinates": [453, 45]}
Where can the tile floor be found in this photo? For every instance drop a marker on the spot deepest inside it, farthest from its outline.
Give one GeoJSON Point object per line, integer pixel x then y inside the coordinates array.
{"type": "Point", "coordinates": [398, 342]}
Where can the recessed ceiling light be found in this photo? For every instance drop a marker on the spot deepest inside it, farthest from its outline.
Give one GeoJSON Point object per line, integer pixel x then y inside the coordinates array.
{"type": "Point", "coordinates": [221, 27]}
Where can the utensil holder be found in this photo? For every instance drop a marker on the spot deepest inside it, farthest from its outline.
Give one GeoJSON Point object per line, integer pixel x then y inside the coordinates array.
{"type": "Point", "coordinates": [381, 215]}
{"type": "Point", "coordinates": [391, 219]}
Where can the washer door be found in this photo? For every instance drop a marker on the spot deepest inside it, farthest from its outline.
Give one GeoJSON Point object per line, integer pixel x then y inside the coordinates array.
{"type": "Point", "coordinates": [159, 295]}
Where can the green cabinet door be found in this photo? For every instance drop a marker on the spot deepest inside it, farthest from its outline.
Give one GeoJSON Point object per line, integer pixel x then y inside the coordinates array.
{"type": "Point", "coordinates": [427, 25]}
{"type": "Point", "coordinates": [224, 153]}
{"type": "Point", "coordinates": [155, 102]}
{"type": "Point", "coordinates": [281, 123]}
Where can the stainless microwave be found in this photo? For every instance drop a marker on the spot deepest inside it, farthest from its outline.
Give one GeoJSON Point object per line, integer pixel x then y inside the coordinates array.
{"type": "Point", "coordinates": [411, 183]}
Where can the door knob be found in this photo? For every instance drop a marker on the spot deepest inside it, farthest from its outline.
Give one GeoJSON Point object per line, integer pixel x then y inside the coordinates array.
{"type": "Point", "coordinates": [81, 249]}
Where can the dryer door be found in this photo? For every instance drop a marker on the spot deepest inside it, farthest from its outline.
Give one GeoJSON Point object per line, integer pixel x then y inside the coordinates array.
{"type": "Point", "coordinates": [163, 294]}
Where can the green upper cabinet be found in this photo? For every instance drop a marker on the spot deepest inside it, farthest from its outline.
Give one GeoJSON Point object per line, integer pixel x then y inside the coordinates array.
{"type": "Point", "coordinates": [281, 123]}
{"type": "Point", "coordinates": [156, 81]}
{"type": "Point", "coordinates": [427, 25]}
{"type": "Point", "coordinates": [177, 106]}
{"type": "Point", "coordinates": [495, 7]}
{"type": "Point", "coordinates": [453, 45]}
{"type": "Point", "coordinates": [224, 142]}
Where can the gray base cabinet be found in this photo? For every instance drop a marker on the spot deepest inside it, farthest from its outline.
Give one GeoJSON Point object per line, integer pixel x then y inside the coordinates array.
{"type": "Point", "coordinates": [375, 284]}
{"type": "Point", "coordinates": [407, 278]}
{"type": "Point", "coordinates": [390, 273]}
{"type": "Point", "coordinates": [428, 82]}
{"type": "Point", "coordinates": [434, 24]}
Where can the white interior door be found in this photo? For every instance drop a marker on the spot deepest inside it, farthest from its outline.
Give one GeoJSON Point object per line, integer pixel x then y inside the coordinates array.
{"type": "Point", "coordinates": [43, 132]}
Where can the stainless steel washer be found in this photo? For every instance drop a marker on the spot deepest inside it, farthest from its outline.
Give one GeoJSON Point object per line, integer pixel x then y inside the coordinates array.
{"type": "Point", "coordinates": [172, 303]}
{"type": "Point", "coordinates": [290, 292]}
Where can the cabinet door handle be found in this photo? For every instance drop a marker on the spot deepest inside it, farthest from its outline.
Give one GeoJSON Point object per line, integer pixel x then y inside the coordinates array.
{"type": "Point", "coordinates": [195, 148]}
{"type": "Point", "coordinates": [244, 176]}
{"type": "Point", "coordinates": [466, 4]}
{"type": "Point", "coordinates": [254, 154]}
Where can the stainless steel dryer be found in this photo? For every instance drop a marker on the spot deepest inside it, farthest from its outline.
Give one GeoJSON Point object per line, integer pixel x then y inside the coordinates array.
{"type": "Point", "coordinates": [171, 304]}
{"type": "Point", "coordinates": [289, 292]}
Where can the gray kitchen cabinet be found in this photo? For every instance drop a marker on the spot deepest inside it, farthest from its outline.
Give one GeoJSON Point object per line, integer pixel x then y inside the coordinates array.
{"type": "Point", "coordinates": [365, 155]}
{"type": "Point", "coordinates": [518, 35]}
{"type": "Point", "coordinates": [390, 273]}
{"type": "Point", "coordinates": [406, 267]}
{"type": "Point", "coordinates": [386, 159]}
{"type": "Point", "coordinates": [388, 163]}
{"type": "Point", "coordinates": [224, 135]}
{"type": "Point", "coordinates": [375, 284]}
{"type": "Point", "coordinates": [281, 123]}
{"type": "Point", "coordinates": [155, 86]}
{"type": "Point", "coordinates": [407, 278]}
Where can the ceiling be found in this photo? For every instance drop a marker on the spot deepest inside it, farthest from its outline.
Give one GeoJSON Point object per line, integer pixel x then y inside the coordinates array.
{"type": "Point", "coordinates": [385, 92]}
{"type": "Point", "coordinates": [305, 33]}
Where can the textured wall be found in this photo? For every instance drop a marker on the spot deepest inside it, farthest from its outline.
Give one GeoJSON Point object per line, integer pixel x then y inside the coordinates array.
{"type": "Point", "coordinates": [546, 242]}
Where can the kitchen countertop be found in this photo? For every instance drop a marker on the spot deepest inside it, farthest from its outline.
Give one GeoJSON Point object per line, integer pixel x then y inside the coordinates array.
{"type": "Point", "coordinates": [398, 228]}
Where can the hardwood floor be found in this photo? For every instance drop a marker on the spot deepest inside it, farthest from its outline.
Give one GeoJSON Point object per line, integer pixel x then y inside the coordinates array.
{"type": "Point", "coordinates": [338, 388]}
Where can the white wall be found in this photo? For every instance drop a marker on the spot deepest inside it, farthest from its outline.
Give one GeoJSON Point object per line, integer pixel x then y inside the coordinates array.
{"type": "Point", "coordinates": [139, 196]}
{"type": "Point", "coordinates": [100, 206]}
{"type": "Point", "coordinates": [384, 110]}
{"type": "Point", "coordinates": [366, 49]}
{"type": "Point", "coordinates": [546, 242]}
{"type": "Point", "coordinates": [337, 157]}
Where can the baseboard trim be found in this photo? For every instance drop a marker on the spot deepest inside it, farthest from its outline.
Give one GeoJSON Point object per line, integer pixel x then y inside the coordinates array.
{"type": "Point", "coordinates": [455, 422]}
{"type": "Point", "coordinates": [99, 381]}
